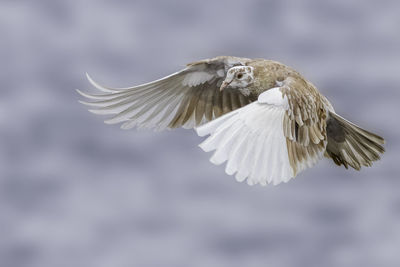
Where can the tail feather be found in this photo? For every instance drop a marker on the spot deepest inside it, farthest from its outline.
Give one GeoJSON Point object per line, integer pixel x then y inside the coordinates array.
{"type": "Point", "coordinates": [350, 145]}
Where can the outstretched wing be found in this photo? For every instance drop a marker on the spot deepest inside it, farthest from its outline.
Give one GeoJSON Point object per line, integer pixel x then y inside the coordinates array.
{"type": "Point", "coordinates": [251, 140]}
{"type": "Point", "coordinates": [186, 98]}
{"type": "Point", "coordinates": [272, 139]}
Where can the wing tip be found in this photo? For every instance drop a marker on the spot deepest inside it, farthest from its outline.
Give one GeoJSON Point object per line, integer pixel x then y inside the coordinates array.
{"type": "Point", "coordinates": [81, 93]}
{"type": "Point", "coordinates": [84, 103]}
{"type": "Point", "coordinates": [91, 81]}
{"type": "Point", "coordinates": [98, 86]}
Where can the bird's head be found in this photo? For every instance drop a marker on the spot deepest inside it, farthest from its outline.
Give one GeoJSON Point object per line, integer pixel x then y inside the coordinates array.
{"type": "Point", "coordinates": [238, 77]}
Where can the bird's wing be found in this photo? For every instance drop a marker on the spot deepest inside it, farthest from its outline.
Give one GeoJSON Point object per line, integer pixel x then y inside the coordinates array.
{"type": "Point", "coordinates": [304, 123]}
{"type": "Point", "coordinates": [186, 98]}
{"type": "Point", "coordinates": [261, 141]}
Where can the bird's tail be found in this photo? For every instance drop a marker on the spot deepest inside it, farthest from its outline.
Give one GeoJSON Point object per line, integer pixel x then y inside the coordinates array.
{"type": "Point", "coordinates": [350, 145]}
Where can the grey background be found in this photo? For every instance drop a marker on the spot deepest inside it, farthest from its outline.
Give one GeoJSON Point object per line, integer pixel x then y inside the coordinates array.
{"type": "Point", "coordinates": [77, 192]}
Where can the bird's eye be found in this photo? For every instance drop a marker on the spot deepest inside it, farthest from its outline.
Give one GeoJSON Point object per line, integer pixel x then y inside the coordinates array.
{"type": "Point", "coordinates": [240, 76]}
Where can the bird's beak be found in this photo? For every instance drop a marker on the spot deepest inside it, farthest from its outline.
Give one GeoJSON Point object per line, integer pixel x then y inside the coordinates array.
{"type": "Point", "coordinates": [223, 85]}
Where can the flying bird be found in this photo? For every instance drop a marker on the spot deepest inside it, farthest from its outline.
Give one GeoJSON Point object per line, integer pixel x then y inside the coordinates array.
{"type": "Point", "coordinates": [261, 117]}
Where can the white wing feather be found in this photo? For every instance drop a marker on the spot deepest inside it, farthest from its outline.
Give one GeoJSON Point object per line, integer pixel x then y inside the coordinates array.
{"type": "Point", "coordinates": [251, 140]}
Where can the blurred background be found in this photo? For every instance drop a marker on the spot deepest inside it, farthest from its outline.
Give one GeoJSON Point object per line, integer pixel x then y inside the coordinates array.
{"type": "Point", "coordinates": [77, 192]}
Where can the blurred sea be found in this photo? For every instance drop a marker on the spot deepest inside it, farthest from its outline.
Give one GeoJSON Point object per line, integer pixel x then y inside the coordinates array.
{"type": "Point", "coordinates": [77, 192]}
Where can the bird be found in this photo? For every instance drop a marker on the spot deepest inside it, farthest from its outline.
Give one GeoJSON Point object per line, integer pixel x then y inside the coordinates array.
{"type": "Point", "coordinates": [261, 117]}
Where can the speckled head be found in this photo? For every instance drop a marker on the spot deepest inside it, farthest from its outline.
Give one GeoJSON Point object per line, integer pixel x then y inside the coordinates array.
{"type": "Point", "coordinates": [238, 77]}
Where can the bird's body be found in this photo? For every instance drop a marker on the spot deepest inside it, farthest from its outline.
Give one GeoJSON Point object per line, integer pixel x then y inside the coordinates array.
{"type": "Point", "coordinates": [265, 119]}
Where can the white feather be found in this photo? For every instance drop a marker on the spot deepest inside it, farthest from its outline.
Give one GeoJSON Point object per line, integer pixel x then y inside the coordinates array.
{"type": "Point", "coordinates": [211, 126]}
{"type": "Point", "coordinates": [225, 145]}
{"type": "Point", "coordinates": [274, 97]}
{"type": "Point", "coordinates": [251, 140]}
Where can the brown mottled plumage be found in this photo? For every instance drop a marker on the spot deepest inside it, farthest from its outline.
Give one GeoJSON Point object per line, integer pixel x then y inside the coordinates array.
{"type": "Point", "coordinates": [204, 91]}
